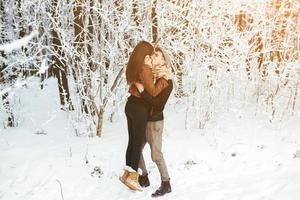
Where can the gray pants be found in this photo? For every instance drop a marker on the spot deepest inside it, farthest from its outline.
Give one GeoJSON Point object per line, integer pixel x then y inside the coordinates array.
{"type": "Point", "coordinates": [154, 132]}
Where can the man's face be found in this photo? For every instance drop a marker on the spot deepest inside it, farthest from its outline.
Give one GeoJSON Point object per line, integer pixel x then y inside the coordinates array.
{"type": "Point", "coordinates": [157, 58]}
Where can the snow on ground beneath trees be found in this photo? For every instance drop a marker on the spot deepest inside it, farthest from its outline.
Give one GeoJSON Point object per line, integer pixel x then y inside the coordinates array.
{"type": "Point", "coordinates": [238, 156]}
{"type": "Point", "coordinates": [17, 44]}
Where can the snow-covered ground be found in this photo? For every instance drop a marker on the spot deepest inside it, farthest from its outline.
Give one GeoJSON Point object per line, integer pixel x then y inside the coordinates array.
{"type": "Point", "coordinates": [238, 156]}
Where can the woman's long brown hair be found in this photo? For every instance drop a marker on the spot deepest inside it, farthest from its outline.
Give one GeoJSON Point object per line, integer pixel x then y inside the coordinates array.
{"type": "Point", "coordinates": [136, 60]}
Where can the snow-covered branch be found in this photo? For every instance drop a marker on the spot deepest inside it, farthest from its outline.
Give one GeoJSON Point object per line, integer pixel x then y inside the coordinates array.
{"type": "Point", "coordinates": [18, 44]}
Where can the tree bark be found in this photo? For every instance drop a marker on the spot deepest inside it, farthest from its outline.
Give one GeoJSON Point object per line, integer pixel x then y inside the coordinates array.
{"type": "Point", "coordinates": [113, 88]}
{"type": "Point", "coordinates": [134, 12]}
{"type": "Point", "coordinates": [100, 122]}
{"type": "Point", "coordinates": [59, 66]}
{"type": "Point", "coordinates": [5, 101]}
{"type": "Point", "coordinates": [82, 31]}
{"type": "Point", "coordinates": [154, 22]}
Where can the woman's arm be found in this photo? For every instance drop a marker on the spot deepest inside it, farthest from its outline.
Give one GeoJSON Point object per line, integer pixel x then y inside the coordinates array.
{"type": "Point", "coordinates": [146, 78]}
{"type": "Point", "coordinates": [161, 99]}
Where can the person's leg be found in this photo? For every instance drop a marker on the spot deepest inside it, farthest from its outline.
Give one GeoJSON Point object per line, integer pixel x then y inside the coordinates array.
{"type": "Point", "coordinates": [129, 146]}
{"type": "Point", "coordinates": [138, 130]}
{"type": "Point", "coordinates": [142, 164]}
{"type": "Point", "coordinates": [130, 136]}
{"type": "Point", "coordinates": [138, 115]}
{"type": "Point", "coordinates": [155, 141]}
{"type": "Point", "coordinates": [143, 179]}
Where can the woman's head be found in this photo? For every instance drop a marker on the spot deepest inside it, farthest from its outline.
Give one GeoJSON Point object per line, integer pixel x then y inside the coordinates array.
{"type": "Point", "coordinates": [136, 60]}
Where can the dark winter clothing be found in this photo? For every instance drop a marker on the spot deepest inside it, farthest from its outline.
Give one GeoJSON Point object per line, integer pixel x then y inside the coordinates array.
{"type": "Point", "coordinates": [144, 180]}
{"type": "Point", "coordinates": [164, 188]}
{"type": "Point", "coordinates": [158, 103]}
{"type": "Point", "coordinates": [136, 111]}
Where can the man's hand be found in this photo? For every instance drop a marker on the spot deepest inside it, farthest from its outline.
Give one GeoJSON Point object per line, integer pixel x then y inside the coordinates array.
{"type": "Point", "coordinates": [163, 72]}
{"type": "Point", "coordinates": [169, 73]}
{"type": "Point", "coordinates": [139, 86]}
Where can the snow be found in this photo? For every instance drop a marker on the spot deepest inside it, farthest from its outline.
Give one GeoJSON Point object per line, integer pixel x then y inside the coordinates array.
{"type": "Point", "coordinates": [44, 67]}
{"type": "Point", "coordinates": [2, 92]}
{"type": "Point", "coordinates": [17, 44]}
{"type": "Point", "coordinates": [248, 147]}
{"type": "Point", "coordinates": [238, 156]}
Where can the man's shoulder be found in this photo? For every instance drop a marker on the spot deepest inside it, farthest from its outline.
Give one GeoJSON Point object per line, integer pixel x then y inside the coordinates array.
{"type": "Point", "coordinates": [170, 84]}
{"type": "Point", "coordinates": [169, 81]}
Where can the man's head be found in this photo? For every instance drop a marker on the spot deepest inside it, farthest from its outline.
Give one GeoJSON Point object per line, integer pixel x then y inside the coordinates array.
{"type": "Point", "coordinates": [158, 57]}
{"type": "Point", "coordinates": [161, 63]}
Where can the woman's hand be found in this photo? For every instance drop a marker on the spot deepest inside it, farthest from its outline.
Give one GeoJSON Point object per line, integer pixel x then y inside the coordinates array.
{"type": "Point", "coordinates": [139, 86]}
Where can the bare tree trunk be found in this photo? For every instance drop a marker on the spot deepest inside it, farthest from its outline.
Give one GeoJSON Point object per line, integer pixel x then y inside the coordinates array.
{"type": "Point", "coordinates": [134, 12]}
{"type": "Point", "coordinates": [59, 66]}
{"type": "Point", "coordinates": [113, 88]}
{"type": "Point", "coordinates": [179, 75]}
{"type": "Point", "coordinates": [82, 31]}
{"type": "Point", "coordinates": [243, 22]}
{"type": "Point", "coordinates": [154, 22]}
{"type": "Point", "coordinates": [21, 27]}
{"type": "Point", "coordinates": [7, 107]}
{"type": "Point", "coordinates": [295, 95]}
{"type": "Point", "coordinates": [5, 101]}
{"type": "Point", "coordinates": [100, 122]}
{"type": "Point", "coordinates": [179, 71]}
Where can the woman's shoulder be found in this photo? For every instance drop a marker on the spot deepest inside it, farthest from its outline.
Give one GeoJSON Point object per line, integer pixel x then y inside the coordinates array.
{"type": "Point", "coordinates": [146, 69]}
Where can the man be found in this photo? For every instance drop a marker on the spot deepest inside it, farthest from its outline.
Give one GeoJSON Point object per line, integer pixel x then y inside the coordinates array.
{"type": "Point", "coordinates": [154, 128]}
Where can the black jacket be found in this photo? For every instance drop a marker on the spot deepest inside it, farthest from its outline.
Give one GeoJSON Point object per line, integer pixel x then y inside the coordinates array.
{"type": "Point", "coordinates": [157, 103]}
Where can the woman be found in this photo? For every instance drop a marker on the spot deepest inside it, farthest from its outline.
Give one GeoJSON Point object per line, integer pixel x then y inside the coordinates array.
{"type": "Point", "coordinates": [136, 109]}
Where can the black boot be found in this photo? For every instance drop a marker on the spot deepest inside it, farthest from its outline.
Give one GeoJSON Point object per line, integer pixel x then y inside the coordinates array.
{"type": "Point", "coordinates": [164, 188]}
{"type": "Point", "coordinates": [144, 181]}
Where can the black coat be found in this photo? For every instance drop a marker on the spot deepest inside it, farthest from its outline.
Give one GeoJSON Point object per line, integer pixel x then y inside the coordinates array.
{"type": "Point", "coordinates": [157, 103]}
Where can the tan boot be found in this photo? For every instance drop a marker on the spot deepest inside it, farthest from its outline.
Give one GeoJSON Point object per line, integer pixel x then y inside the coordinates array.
{"type": "Point", "coordinates": [124, 176]}
{"type": "Point", "coordinates": [133, 181]}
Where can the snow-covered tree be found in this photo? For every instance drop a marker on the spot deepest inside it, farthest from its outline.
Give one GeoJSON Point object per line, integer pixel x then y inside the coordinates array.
{"type": "Point", "coordinates": [224, 54]}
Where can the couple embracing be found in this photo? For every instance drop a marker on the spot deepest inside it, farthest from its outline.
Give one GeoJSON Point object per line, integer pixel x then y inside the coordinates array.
{"type": "Point", "coordinates": [149, 76]}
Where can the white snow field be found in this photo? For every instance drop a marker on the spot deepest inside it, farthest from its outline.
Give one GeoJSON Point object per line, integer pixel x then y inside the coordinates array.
{"type": "Point", "coordinates": [237, 156]}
